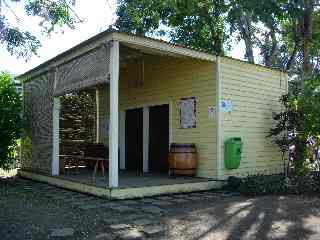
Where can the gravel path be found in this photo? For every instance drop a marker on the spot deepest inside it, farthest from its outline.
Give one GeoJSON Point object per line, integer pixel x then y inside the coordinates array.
{"type": "Point", "coordinates": [31, 210]}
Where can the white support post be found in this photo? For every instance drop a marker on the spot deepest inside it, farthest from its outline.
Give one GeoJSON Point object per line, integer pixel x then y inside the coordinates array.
{"type": "Point", "coordinates": [55, 137]}
{"type": "Point", "coordinates": [97, 116]}
{"type": "Point", "coordinates": [219, 125]}
{"type": "Point", "coordinates": [114, 114]}
{"type": "Point", "coordinates": [145, 139]}
{"type": "Point", "coordinates": [122, 139]}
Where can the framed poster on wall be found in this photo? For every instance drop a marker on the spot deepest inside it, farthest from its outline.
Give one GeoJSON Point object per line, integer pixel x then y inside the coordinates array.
{"type": "Point", "coordinates": [188, 112]}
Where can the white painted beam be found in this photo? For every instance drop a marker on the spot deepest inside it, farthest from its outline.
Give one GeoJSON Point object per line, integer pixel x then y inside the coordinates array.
{"type": "Point", "coordinates": [114, 114]}
{"type": "Point", "coordinates": [55, 137]}
{"type": "Point", "coordinates": [161, 47]}
{"type": "Point", "coordinates": [145, 139]}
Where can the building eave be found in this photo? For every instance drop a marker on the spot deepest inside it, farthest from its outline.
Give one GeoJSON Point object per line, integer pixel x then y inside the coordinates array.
{"type": "Point", "coordinates": [125, 38]}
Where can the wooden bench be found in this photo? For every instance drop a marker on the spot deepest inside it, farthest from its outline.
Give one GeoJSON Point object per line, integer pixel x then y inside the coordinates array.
{"type": "Point", "coordinates": [74, 153]}
{"type": "Point", "coordinates": [99, 153]}
{"type": "Point", "coordinates": [70, 153]}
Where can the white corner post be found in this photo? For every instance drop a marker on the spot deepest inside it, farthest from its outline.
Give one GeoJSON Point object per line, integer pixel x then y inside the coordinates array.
{"type": "Point", "coordinates": [55, 137]}
{"type": "Point", "coordinates": [97, 116]}
{"type": "Point", "coordinates": [219, 125]}
{"type": "Point", "coordinates": [114, 114]}
{"type": "Point", "coordinates": [145, 139]}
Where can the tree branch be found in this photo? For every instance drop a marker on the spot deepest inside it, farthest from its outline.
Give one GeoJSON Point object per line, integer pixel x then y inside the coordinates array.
{"type": "Point", "coordinates": [292, 57]}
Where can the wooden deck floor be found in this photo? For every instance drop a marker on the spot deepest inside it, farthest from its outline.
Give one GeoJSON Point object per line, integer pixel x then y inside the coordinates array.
{"type": "Point", "coordinates": [132, 185]}
{"type": "Point", "coordinates": [127, 179]}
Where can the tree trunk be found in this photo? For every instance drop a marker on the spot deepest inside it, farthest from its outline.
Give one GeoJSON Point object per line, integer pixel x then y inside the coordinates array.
{"type": "Point", "coordinates": [306, 36]}
{"type": "Point", "coordinates": [270, 56]}
{"type": "Point", "coordinates": [297, 43]}
{"type": "Point", "coordinates": [249, 49]}
{"type": "Point", "coordinates": [246, 33]}
{"type": "Point", "coordinates": [292, 57]}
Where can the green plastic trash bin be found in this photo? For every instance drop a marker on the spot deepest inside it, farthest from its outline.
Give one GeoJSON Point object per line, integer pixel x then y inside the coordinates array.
{"type": "Point", "coordinates": [232, 153]}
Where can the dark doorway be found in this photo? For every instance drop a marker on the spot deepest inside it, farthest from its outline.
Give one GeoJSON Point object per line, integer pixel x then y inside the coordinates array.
{"type": "Point", "coordinates": [158, 138]}
{"type": "Point", "coordinates": [134, 139]}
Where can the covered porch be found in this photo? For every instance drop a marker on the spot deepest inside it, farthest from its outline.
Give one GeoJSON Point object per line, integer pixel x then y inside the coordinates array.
{"type": "Point", "coordinates": [135, 117]}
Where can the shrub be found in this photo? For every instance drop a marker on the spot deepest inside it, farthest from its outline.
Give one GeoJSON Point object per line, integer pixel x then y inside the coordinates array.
{"type": "Point", "coordinates": [263, 184]}
{"type": "Point", "coordinates": [10, 121]}
{"type": "Point", "coordinates": [233, 183]}
{"type": "Point", "coordinates": [277, 184]}
{"type": "Point", "coordinates": [298, 125]}
{"type": "Point", "coordinates": [307, 184]}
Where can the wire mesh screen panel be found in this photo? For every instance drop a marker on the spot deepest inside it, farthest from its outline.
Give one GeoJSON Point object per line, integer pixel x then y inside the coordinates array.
{"type": "Point", "coordinates": [85, 71]}
{"type": "Point", "coordinates": [37, 139]}
{"type": "Point", "coordinates": [78, 117]}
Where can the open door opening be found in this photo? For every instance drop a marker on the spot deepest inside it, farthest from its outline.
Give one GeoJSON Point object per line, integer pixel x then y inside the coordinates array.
{"type": "Point", "coordinates": [134, 139]}
{"type": "Point", "coordinates": [158, 138]}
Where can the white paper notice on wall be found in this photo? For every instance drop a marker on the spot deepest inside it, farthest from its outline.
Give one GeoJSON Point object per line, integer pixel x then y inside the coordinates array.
{"type": "Point", "coordinates": [188, 112]}
{"type": "Point", "coordinates": [226, 105]}
{"type": "Point", "coordinates": [211, 112]}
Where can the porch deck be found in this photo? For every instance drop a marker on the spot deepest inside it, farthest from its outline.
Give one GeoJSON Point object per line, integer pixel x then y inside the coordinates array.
{"type": "Point", "coordinates": [131, 185]}
{"type": "Point", "coordinates": [128, 179]}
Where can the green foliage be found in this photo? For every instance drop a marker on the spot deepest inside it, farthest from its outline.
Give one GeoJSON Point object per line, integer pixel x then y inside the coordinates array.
{"type": "Point", "coordinates": [233, 183]}
{"type": "Point", "coordinates": [18, 43]}
{"type": "Point", "coordinates": [309, 183]}
{"type": "Point", "coordinates": [278, 184]}
{"type": "Point", "coordinates": [10, 120]}
{"type": "Point", "coordinates": [141, 17]}
{"type": "Point", "coordinates": [309, 101]}
{"type": "Point", "coordinates": [300, 38]}
{"type": "Point", "coordinates": [286, 33]}
{"type": "Point", "coordinates": [263, 184]}
{"type": "Point", "coordinates": [198, 24]}
{"type": "Point", "coordinates": [52, 14]}
{"type": "Point", "coordinates": [299, 122]}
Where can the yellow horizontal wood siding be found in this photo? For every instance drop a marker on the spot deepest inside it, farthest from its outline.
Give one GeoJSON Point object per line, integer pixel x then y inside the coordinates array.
{"type": "Point", "coordinates": [254, 92]}
{"type": "Point", "coordinates": [166, 81]}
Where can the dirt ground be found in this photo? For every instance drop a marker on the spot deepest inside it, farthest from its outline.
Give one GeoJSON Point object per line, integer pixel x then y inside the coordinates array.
{"type": "Point", "coordinates": [31, 210]}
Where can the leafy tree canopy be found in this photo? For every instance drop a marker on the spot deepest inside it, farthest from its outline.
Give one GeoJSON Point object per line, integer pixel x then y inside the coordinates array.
{"type": "Point", "coordinates": [299, 122]}
{"type": "Point", "coordinates": [10, 120]}
{"type": "Point", "coordinates": [52, 13]}
{"type": "Point", "coordinates": [286, 32]}
{"type": "Point", "coordinates": [199, 24]}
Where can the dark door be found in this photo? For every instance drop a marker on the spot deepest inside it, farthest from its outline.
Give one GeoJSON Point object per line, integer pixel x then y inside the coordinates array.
{"type": "Point", "coordinates": [158, 138]}
{"type": "Point", "coordinates": [134, 139]}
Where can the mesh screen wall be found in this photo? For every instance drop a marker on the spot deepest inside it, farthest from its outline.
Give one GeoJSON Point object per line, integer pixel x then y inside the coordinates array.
{"type": "Point", "coordinates": [85, 71]}
{"type": "Point", "coordinates": [37, 140]}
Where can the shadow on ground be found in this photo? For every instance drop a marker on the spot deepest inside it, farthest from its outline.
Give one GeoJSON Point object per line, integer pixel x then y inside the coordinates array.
{"type": "Point", "coordinates": [269, 217]}
{"type": "Point", "coordinates": [31, 210]}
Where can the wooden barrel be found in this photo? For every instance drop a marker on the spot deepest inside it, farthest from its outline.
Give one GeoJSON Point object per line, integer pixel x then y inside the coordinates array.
{"type": "Point", "coordinates": [182, 159]}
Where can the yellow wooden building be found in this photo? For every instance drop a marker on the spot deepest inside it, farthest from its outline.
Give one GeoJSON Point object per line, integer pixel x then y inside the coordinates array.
{"type": "Point", "coordinates": [149, 94]}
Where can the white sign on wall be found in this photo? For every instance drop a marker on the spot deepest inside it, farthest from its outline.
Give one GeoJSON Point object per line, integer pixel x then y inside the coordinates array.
{"type": "Point", "coordinates": [226, 106]}
{"type": "Point", "coordinates": [188, 112]}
